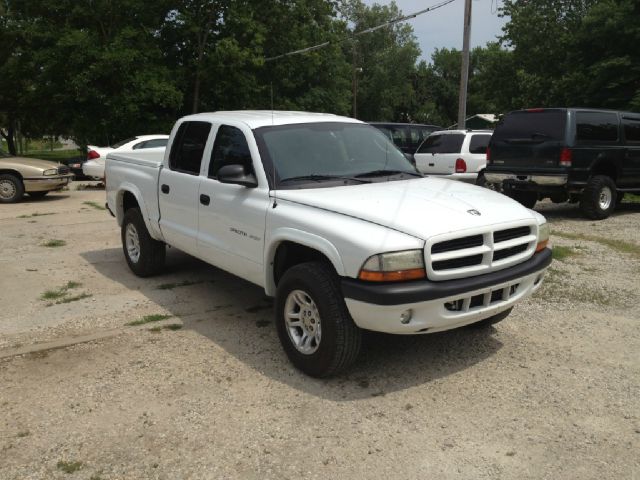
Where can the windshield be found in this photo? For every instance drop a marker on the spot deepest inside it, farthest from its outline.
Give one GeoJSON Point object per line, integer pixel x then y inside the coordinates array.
{"type": "Point", "coordinates": [123, 142]}
{"type": "Point", "coordinates": [313, 153]}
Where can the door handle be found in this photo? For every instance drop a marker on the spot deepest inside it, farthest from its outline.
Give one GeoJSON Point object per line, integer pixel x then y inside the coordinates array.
{"type": "Point", "coordinates": [164, 188]}
{"type": "Point", "coordinates": [205, 199]}
{"type": "Point", "coordinates": [431, 164]}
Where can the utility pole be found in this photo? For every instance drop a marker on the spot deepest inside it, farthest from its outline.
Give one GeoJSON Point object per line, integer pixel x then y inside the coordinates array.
{"type": "Point", "coordinates": [464, 69]}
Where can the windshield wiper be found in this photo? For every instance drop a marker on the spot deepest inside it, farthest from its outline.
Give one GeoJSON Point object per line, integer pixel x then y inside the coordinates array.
{"type": "Point", "coordinates": [319, 177]}
{"type": "Point", "coordinates": [380, 173]}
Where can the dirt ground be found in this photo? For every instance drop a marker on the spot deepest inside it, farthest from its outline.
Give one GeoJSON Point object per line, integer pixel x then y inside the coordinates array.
{"type": "Point", "coordinates": [551, 392]}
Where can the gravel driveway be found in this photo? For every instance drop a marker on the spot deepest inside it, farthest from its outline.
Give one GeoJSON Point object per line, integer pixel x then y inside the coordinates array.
{"type": "Point", "coordinates": [198, 387]}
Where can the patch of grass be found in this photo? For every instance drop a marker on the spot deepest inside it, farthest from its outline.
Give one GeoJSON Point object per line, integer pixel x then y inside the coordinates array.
{"type": "Point", "coordinates": [26, 433]}
{"type": "Point", "coordinates": [59, 292]}
{"type": "Point", "coordinates": [631, 198]}
{"type": "Point", "coordinates": [54, 243]}
{"type": "Point", "coordinates": [95, 205]}
{"type": "Point", "coordinates": [171, 286]}
{"type": "Point", "coordinates": [36, 214]}
{"type": "Point", "coordinates": [74, 298]}
{"type": "Point", "coordinates": [69, 467]}
{"type": "Point", "coordinates": [63, 156]}
{"type": "Point", "coordinates": [618, 245]}
{"type": "Point", "coordinates": [562, 253]}
{"type": "Point", "coordinates": [156, 317]}
{"type": "Point", "coordinates": [172, 327]}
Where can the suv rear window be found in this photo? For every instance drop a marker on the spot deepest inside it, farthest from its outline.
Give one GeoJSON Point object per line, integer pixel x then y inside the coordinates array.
{"type": "Point", "coordinates": [536, 126]}
{"type": "Point", "coordinates": [596, 127]}
{"type": "Point", "coordinates": [631, 129]}
{"type": "Point", "coordinates": [445, 143]}
{"type": "Point", "coordinates": [479, 143]}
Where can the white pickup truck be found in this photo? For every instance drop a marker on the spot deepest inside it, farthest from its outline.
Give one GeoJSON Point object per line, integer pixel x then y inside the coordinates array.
{"type": "Point", "coordinates": [331, 219]}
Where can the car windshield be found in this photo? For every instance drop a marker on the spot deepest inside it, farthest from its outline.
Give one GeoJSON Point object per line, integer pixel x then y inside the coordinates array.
{"type": "Point", "coordinates": [314, 153]}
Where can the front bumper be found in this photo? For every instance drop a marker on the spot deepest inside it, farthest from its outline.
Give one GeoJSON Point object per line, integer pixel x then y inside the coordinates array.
{"type": "Point", "coordinates": [438, 306]}
{"type": "Point", "coordinates": [46, 183]}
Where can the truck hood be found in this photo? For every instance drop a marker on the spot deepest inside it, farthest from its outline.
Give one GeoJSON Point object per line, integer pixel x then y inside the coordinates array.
{"type": "Point", "coordinates": [419, 207]}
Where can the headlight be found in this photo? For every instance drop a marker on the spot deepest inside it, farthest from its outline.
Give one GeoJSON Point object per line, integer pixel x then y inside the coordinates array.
{"type": "Point", "coordinates": [543, 237]}
{"type": "Point", "coordinates": [394, 267]}
{"type": "Point", "coordinates": [51, 171]}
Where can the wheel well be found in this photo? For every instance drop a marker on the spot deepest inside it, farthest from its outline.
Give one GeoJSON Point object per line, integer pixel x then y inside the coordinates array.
{"type": "Point", "coordinates": [10, 172]}
{"type": "Point", "coordinates": [604, 168]}
{"type": "Point", "coordinates": [129, 201]}
{"type": "Point", "coordinates": [290, 254]}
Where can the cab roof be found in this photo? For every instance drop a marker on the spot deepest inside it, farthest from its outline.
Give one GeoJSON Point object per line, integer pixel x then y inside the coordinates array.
{"type": "Point", "coordinates": [262, 118]}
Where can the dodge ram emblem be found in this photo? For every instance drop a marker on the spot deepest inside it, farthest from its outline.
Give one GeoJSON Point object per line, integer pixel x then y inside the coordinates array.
{"type": "Point", "coordinates": [474, 212]}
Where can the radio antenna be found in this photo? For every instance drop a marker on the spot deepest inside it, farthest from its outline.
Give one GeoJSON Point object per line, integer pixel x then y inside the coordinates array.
{"type": "Point", "coordinates": [273, 164]}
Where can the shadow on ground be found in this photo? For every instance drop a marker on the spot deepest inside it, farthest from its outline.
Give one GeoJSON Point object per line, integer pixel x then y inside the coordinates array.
{"type": "Point", "coordinates": [49, 198]}
{"type": "Point", "coordinates": [571, 211]}
{"type": "Point", "coordinates": [236, 316]}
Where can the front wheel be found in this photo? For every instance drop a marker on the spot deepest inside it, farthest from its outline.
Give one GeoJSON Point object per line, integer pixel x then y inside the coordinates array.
{"type": "Point", "coordinates": [314, 325]}
{"type": "Point", "coordinates": [11, 188]}
{"type": "Point", "coordinates": [144, 255]}
{"type": "Point", "coordinates": [598, 197]}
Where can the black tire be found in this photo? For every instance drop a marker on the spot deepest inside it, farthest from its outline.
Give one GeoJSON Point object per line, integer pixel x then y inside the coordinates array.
{"type": "Point", "coordinates": [11, 188]}
{"type": "Point", "coordinates": [594, 203]}
{"type": "Point", "coordinates": [151, 253]}
{"type": "Point", "coordinates": [37, 194]}
{"type": "Point", "coordinates": [528, 199]}
{"type": "Point", "coordinates": [487, 322]}
{"type": "Point", "coordinates": [480, 180]}
{"type": "Point", "coordinates": [340, 338]}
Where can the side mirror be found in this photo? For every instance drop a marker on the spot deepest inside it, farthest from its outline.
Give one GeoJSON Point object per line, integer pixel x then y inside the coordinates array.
{"type": "Point", "coordinates": [236, 174]}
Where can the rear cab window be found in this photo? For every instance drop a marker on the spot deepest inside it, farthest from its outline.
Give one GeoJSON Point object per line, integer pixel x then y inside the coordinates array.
{"type": "Point", "coordinates": [188, 147]}
{"type": "Point", "coordinates": [443, 143]}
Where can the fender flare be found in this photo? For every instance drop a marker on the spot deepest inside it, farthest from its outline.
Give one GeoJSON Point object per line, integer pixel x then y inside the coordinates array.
{"type": "Point", "coordinates": [287, 234]}
{"type": "Point", "coordinates": [128, 187]}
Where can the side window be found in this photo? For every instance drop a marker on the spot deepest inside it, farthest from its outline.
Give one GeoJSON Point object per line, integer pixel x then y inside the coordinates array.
{"type": "Point", "coordinates": [479, 143]}
{"type": "Point", "coordinates": [158, 142]}
{"type": "Point", "coordinates": [593, 127]}
{"type": "Point", "coordinates": [230, 148]}
{"type": "Point", "coordinates": [449, 143]}
{"type": "Point", "coordinates": [139, 145]}
{"type": "Point", "coordinates": [631, 130]}
{"type": "Point", "coordinates": [188, 147]}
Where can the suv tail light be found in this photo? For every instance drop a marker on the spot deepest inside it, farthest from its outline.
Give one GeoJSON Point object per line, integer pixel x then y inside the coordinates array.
{"type": "Point", "coordinates": [461, 166]}
{"type": "Point", "coordinates": [566, 157]}
{"type": "Point", "coordinates": [92, 154]}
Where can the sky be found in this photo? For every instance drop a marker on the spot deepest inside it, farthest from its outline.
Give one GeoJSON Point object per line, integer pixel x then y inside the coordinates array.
{"type": "Point", "coordinates": [442, 28]}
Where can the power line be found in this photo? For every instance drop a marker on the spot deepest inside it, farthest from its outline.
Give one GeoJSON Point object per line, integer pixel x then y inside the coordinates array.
{"type": "Point", "coordinates": [362, 32]}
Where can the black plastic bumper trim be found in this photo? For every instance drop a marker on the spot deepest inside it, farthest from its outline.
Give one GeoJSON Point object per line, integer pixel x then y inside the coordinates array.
{"type": "Point", "coordinates": [425, 290]}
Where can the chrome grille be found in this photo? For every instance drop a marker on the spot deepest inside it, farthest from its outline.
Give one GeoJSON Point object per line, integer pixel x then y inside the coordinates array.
{"type": "Point", "coordinates": [479, 252]}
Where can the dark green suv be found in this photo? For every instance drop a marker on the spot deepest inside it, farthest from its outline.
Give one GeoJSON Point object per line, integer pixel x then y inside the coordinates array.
{"type": "Point", "coordinates": [567, 154]}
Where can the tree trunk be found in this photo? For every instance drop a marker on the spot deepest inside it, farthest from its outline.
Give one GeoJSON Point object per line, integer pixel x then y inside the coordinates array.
{"type": "Point", "coordinates": [10, 137]}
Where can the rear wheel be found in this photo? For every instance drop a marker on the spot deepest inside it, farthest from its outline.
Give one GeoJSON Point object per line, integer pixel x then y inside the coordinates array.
{"type": "Point", "coordinates": [487, 322]}
{"type": "Point", "coordinates": [314, 325]}
{"type": "Point", "coordinates": [599, 197]}
{"type": "Point", "coordinates": [528, 199]}
{"type": "Point", "coordinates": [144, 255]}
{"type": "Point", "coordinates": [11, 188]}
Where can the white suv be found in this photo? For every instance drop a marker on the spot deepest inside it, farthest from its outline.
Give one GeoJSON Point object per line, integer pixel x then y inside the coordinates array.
{"type": "Point", "coordinates": [454, 154]}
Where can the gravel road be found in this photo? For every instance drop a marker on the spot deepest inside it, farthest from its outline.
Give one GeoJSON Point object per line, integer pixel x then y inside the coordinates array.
{"type": "Point", "coordinates": [206, 392]}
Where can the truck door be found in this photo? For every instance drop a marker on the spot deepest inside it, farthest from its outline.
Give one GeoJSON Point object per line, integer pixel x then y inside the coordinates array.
{"type": "Point", "coordinates": [232, 217]}
{"type": "Point", "coordinates": [178, 186]}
